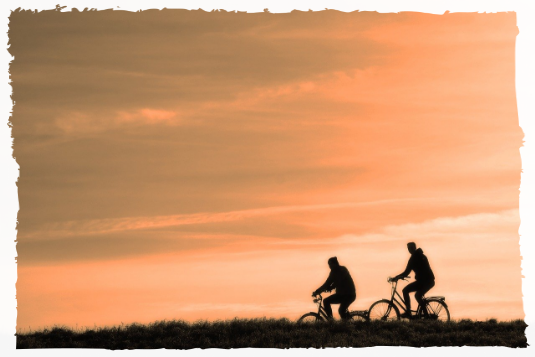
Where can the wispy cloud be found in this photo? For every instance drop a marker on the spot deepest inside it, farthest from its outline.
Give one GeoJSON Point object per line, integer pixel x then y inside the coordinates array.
{"type": "Point", "coordinates": [494, 222]}
{"type": "Point", "coordinates": [488, 226]}
{"type": "Point", "coordinates": [149, 116]}
{"type": "Point", "coordinates": [81, 122]}
{"type": "Point", "coordinates": [496, 229]}
{"type": "Point", "coordinates": [102, 226]}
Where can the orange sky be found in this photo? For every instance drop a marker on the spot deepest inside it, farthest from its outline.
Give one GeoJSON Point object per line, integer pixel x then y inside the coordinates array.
{"type": "Point", "coordinates": [192, 165]}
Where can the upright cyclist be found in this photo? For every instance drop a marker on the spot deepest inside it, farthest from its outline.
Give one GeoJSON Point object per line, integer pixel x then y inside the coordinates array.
{"type": "Point", "coordinates": [425, 279]}
{"type": "Point", "coordinates": [341, 280]}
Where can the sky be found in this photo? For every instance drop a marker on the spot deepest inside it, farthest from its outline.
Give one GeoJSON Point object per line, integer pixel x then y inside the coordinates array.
{"type": "Point", "coordinates": [192, 165]}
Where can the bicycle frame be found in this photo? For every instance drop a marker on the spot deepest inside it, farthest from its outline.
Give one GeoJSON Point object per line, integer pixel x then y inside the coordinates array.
{"type": "Point", "coordinates": [401, 302]}
{"type": "Point", "coordinates": [322, 313]}
{"type": "Point", "coordinates": [321, 309]}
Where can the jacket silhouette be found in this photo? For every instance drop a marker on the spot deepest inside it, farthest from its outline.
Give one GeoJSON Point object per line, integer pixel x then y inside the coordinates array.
{"type": "Point", "coordinates": [420, 265]}
{"type": "Point", "coordinates": [341, 280]}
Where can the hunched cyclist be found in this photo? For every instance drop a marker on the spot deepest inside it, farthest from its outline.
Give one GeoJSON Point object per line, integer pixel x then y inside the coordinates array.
{"type": "Point", "coordinates": [341, 280]}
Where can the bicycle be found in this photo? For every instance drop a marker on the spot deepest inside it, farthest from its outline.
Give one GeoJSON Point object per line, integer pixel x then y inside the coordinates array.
{"type": "Point", "coordinates": [389, 310]}
{"type": "Point", "coordinates": [321, 315]}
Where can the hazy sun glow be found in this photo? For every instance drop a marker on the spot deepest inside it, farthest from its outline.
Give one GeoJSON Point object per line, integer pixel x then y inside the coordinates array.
{"type": "Point", "coordinates": [192, 165]}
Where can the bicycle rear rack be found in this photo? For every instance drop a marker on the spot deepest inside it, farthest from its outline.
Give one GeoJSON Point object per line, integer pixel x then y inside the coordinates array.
{"type": "Point", "coordinates": [441, 298]}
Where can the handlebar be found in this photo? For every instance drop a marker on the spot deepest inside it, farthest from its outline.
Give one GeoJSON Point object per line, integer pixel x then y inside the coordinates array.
{"type": "Point", "coordinates": [393, 280]}
{"type": "Point", "coordinates": [317, 298]}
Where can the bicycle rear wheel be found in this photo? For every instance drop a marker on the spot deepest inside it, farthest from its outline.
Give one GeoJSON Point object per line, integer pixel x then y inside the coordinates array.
{"type": "Point", "coordinates": [310, 317]}
{"type": "Point", "coordinates": [383, 310]}
{"type": "Point", "coordinates": [436, 310]}
{"type": "Point", "coordinates": [358, 316]}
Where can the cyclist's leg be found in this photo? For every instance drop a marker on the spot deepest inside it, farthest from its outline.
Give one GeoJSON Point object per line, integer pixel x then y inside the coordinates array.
{"type": "Point", "coordinates": [424, 288]}
{"type": "Point", "coordinates": [333, 299]}
{"type": "Point", "coordinates": [414, 286]}
{"type": "Point", "coordinates": [344, 305]}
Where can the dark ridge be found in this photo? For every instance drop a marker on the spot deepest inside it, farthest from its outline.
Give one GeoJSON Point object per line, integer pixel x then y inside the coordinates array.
{"type": "Point", "coordinates": [282, 333]}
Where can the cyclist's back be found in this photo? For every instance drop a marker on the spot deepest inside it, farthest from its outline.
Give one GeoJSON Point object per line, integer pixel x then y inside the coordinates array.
{"type": "Point", "coordinates": [420, 265]}
{"type": "Point", "coordinates": [342, 281]}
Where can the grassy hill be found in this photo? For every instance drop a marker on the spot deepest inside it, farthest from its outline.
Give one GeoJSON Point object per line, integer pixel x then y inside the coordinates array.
{"type": "Point", "coordinates": [282, 333]}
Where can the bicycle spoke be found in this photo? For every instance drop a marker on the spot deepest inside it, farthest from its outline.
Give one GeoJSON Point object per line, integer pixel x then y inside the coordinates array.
{"type": "Point", "coordinates": [357, 316]}
{"type": "Point", "coordinates": [437, 310]}
{"type": "Point", "coordinates": [384, 311]}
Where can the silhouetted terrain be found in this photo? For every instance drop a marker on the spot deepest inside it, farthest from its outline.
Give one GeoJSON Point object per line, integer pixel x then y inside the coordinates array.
{"type": "Point", "coordinates": [283, 334]}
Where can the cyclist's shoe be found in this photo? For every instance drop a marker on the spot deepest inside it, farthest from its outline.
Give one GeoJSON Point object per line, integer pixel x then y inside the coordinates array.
{"type": "Point", "coordinates": [330, 318]}
{"type": "Point", "coordinates": [429, 317]}
{"type": "Point", "coordinates": [406, 315]}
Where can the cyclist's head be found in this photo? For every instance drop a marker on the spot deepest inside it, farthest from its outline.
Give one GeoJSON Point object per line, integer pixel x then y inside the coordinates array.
{"type": "Point", "coordinates": [411, 247]}
{"type": "Point", "coordinates": [333, 262]}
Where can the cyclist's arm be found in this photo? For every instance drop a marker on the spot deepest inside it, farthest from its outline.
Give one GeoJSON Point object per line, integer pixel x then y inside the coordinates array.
{"type": "Point", "coordinates": [326, 286]}
{"type": "Point", "coordinates": [329, 288]}
{"type": "Point", "coordinates": [405, 273]}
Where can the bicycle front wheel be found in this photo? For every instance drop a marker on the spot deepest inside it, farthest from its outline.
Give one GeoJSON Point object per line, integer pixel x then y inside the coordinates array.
{"type": "Point", "coordinates": [383, 310]}
{"type": "Point", "coordinates": [436, 310]}
{"type": "Point", "coordinates": [310, 317]}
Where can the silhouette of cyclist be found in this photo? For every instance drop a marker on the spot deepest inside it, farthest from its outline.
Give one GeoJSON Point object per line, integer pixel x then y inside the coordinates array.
{"type": "Point", "coordinates": [425, 279]}
{"type": "Point", "coordinates": [341, 280]}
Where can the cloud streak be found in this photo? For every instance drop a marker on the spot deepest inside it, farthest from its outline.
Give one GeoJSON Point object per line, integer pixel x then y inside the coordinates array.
{"type": "Point", "coordinates": [102, 226]}
{"type": "Point", "coordinates": [480, 224]}
{"type": "Point", "coordinates": [77, 122]}
{"type": "Point", "coordinates": [490, 227]}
